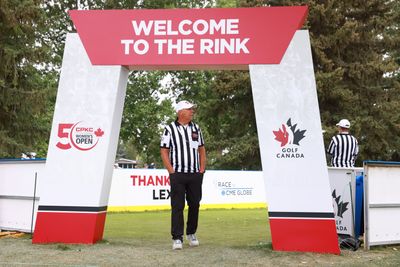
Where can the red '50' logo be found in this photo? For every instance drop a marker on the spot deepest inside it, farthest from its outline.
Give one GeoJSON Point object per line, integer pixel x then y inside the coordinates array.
{"type": "Point", "coordinates": [78, 135]}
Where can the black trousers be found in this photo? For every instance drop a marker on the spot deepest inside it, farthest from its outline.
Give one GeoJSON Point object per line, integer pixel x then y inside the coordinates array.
{"type": "Point", "coordinates": [185, 185]}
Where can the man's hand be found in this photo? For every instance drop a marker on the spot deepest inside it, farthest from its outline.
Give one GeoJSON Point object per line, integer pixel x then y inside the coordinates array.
{"type": "Point", "coordinates": [165, 159]}
{"type": "Point", "coordinates": [203, 159]}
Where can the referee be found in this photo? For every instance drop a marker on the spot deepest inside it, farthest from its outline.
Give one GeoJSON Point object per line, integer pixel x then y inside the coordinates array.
{"type": "Point", "coordinates": [343, 147]}
{"type": "Point", "coordinates": [184, 156]}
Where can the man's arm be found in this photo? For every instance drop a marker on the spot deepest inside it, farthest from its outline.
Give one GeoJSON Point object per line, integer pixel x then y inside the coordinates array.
{"type": "Point", "coordinates": [203, 159]}
{"type": "Point", "coordinates": [356, 148]}
{"type": "Point", "coordinates": [165, 159]}
{"type": "Point", "coordinates": [331, 147]}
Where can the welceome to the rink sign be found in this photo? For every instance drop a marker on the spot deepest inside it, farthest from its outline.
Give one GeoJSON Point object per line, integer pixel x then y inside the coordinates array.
{"type": "Point", "coordinates": [146, 39]}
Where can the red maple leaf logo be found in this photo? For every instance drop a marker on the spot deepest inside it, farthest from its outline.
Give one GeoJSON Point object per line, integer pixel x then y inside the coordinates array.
{"type": "Point", "coordinates": [99, 132]}
{"type": "Point", "coordinates": [282, 135]}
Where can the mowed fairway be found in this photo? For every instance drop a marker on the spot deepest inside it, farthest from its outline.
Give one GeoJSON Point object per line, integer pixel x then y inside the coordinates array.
{"type": "Point", "coordinates": [227, 238]}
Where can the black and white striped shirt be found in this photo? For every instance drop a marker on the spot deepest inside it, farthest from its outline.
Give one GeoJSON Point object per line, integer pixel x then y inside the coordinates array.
{"type": "Point", "coordinates": [183, 142]}
{"type": "Point", "coordinates": [344, 150]}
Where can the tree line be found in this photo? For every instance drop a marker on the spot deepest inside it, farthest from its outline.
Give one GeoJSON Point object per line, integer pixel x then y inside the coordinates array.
{"type": "Point", "coordinates": [356, 56]}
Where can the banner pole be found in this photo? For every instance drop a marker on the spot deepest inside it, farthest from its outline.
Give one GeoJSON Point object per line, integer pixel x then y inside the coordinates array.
{"type": "Point", "coordinates": [33, 205]}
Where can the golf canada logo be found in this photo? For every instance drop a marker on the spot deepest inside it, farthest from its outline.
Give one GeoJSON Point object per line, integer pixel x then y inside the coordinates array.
{"type": "Point", "coordinates": [78, 135]}
{"type": "Point", "coordinates": [289, 138]}
{"type": "Point", "coordinates": [340, 207]}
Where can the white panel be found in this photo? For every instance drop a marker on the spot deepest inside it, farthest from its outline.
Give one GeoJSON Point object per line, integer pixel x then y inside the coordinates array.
{"type": "Point", "coordinates": [88, 97]}
{"type": "Point", "coordinates": [382, 203]}
{"type": "Point", "coordinates": [384, 226]}
{"type": "Point", "coordinates": [342, 182]}
{"type": "Point", "coordinates": [16, 214]}
{"type": "Point", "coordinates": [384, 185]}
{"type": "Point", "coordinates": [17, 191]}
{"type": "Point", "coordinates": [282, 92]}
{"type": "Point", "coordinates": [17, 178]}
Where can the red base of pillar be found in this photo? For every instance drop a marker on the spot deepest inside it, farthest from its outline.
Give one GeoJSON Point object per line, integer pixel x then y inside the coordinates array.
{"type": "Point", "coordinates": [306, 235]}
{"type": "Point", "coordinates": [69, 227]}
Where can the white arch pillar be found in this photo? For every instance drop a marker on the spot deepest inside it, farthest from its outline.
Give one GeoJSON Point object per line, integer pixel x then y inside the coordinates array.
{"type": "Point", "coordinates": [294, 169]}
{"type": "Point", "coordinates": [80, 157]}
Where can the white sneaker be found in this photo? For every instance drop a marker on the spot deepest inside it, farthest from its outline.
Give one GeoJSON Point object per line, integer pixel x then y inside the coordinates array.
{"type": "Point", "coordinates": [177, 244]}
{"type": "Point", "coordinates": [193, 241]}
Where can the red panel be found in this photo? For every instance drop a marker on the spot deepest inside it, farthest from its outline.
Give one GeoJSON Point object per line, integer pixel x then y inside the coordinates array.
{"type": "Point", "coordinates": [306, 235]}
{"type": "Point", "coordinates": [69, 227]}
{"type": "Point", "coordinates": [255, 36]}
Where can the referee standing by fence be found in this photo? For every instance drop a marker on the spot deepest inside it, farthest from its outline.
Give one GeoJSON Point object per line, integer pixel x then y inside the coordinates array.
{"type": "Point", "coordinates": [343, 147]}
{"type": "Point", "coordinates": [184, 156]}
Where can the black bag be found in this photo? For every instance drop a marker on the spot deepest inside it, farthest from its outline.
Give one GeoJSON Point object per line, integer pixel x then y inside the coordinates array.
{"type": "Point", "coordinates": [349, 242]}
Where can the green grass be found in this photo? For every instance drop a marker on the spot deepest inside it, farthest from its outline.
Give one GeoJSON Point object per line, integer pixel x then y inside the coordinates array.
{"type": "Point", "coordinates": [234, 228]}
{"type": "Point", "coordinates": [227, 238]}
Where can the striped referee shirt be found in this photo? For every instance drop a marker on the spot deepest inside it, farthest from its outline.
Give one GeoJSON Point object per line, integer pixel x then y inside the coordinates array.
{"type": "Point", "coordinates": [183, 143]}
{"type": "Point", "coordinates": [344, 150]}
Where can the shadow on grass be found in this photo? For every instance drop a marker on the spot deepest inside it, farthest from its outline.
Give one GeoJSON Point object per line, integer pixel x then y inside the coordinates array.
{"type": "Point", "coordinates": [63, 247]}
{"type": "Point", "coordinates": [265, 247]}
{"type": "Point", "coordinates": [103, 241]}
{"type": "Point", "coordinates": [262, 246]}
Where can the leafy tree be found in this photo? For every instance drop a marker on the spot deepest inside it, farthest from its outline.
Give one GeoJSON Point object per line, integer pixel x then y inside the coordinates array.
{"type": "Point", "coordinates": [353, 60]}
{"type": "Point", "coordinates": [23, 88]}
{"type": "Point", "coordinates": [230, 121]}
{"type": "Point", "coordinates": [144, 114]}
{"type": "Point", "coordinates": [224, 99]}
{"type": "Point", "coordinates": [355, 45]}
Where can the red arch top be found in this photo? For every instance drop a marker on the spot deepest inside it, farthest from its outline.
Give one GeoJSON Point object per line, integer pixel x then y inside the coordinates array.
{"type": "Point", "coordinates": [215, 38]}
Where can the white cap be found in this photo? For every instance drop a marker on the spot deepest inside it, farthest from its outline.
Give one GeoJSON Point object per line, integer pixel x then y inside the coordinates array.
{"type": "Point", "coordinates": [184, 105]}
{"type": "Point", "coordinates": [344, 123]}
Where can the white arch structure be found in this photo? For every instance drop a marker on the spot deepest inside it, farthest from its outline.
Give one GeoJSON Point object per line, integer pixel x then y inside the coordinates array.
{"type": "Point", "coordinates": [87, 118]}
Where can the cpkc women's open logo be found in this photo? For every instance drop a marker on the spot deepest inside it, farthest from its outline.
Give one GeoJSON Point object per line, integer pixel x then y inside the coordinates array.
{"type": "Point", "coordinates": [78, 135]}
